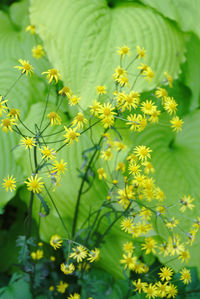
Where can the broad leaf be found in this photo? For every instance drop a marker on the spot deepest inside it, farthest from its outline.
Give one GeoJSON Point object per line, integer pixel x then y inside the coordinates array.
{"type": "Point", "coordinates": [81, 38]}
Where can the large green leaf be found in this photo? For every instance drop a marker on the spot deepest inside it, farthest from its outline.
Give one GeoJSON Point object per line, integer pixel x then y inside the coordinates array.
{"type": "Point", "coordinates": [191, 69]}
{"type": "Point", "coordinates": [185, 13]}
{"type": "Point", "coordinates": [81, 38]}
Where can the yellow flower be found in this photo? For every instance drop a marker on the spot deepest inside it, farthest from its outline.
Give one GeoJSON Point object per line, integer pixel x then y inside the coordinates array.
{"type": "Point", "coordinates": [119, 72]}
{"type": "Point", "coordinates": [71, 135]}
{"type": "Point", "coordinates": [171, 291]}
{"type": "Point", "coordinates": [74, 100]}
{"type": "Point", "coordinates": [25, 67]}
{"type": "Point", "coordinates": [139, 285]}
{"type": "Point", "coordinates": [126, 224]}
{"type": "Point", "coordinates": [38, 52]}
{"type": "Point", "coordinates": [34, 184]}
{"type": "Point", "coordinates": [176, 124]}
{"type": "Point", "coordinates": [47, 153]}
{"type": "Point", "coordinates": [148, 107]}
{"type": "Point", "coordinates": [161, 289]}
{"type": "Point", "coordinates": [149, 246]}
{"type": "Point", "coordinates": [166, 273]}
{"type": "Point", "coordinates": [171, 223]}
{"type": "Point", "coordinates": [186, 202]}
{"type": "Point", "coordinates": [27, 142]}
{"type": "Point", "coordinates": [65, 91]}
{"type": "Point", "coordinates": [59, 167]}
{"type": "Point", "coordinates": [129, 261]}
{"type": "Point", "coordinates": [134, 168]}
{"type": "Point", "coordinates": [143, 67]}
{"type": "Point", "coordinates": [55, 119]}
{"type": "Point", "coordinates": [51, 288]}
{"type": "Point", "coordinates": [67, 269]}
{"type": "Point", "coordinates": [93, 255]}
{"type": "Point", "coordinates": [30, 28]}
{"type": "Point", "coordinates": [101, 174]}
{"type": "Point", "coordinates": [107, 155]}
{"type": "Point", "coordinates": [124, 50]}
{"type": "Point", "coordinates": [148, 74]}
{"type": "Point", "coordinates": [79, 121]}
{"type": "Point", "coordinates": [161, 93]}
{"type": "Point", "coordinates": [169, 79]}
{"type": "Point", "coordinates": [151, 291]}
{"type": "Point", "coordinates": [7, 124]}
{"type": "Point", "coordinates": [52, 74]}
{"type": "Point", "coordinates": [37, 255]}
{"type": "Point", "coordinates": [79, 253]}
{"type": "Point", "coordinates": [14, 113]}
{"type": "Point", "coordinates": [101, 89]}
{"type": "Point", "coordinates": [94, 109]}
{"type": "Point", "coordinates": [52, 258]}
{"type": "Point", "coordinates": [56, 241]}
{"type": "Point", "coordinates": [170, 105]}
{"type": "Point", "coordinates": [61, 287]}
{"type": "Point", "coordinates": [185, 275]}
{"type": "Point", "coordinates": [141, 52]}
{"type": "Point", "coordinates": [121, 166]}
{"type": "Point", "coordinates": [123, 81]}
{"type": "Point", "coordinates": [142, 152]}
{"type": "Point", "coordinates": [184, 256]}
{"type": "Point", "coordinates": [128, 247]}
{"type": "Point", "coordinates": [9, 183]}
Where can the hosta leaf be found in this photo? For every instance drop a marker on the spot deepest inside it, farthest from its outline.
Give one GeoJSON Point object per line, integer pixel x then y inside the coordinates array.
{"type": "Point", "coordinates": [81, 38]}
{"type": "Point", "coordinates": [185, 13]}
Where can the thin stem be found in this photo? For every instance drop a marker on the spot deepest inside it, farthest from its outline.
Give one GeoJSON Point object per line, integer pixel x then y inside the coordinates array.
{"type": "Point", "coordinates": [45, 109]}
{"type": "Point", "coordinates": [13, 85]}
{"type": "Point", "coordinates": [30, 215]}
{"type": "Point", "coordinates": [81, 189]}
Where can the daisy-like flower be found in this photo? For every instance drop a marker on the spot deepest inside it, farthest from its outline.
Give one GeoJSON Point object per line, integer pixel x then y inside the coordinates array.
{"type": "Point", "coordinates": [184, 256]}
{"type": "Point", "coordinates": [185, 275]}
{"type": "Point", "coordinates": [65, 91]}
{"type": "Point", "coordinates": [61, 287]}
{"type": "Point", "coordinates": [170, 105]}
{"type": "Point", "coordinates": [161, 93]}
{"type": "Point", "coordinates": [59, 167]}
{"type": "Point", "coordinates": [34, 184]}
{"type": "Point", "coordinates": [148, 107]}
{"type": "Point", "coordinates": [47, 153]}
{"type": "Point", "coordinates": [161, 289]}
{"type": "Point", "coordinates": [107, 155]}
{"type": "Point", "coordinates": [79, 253]}
{"type": "Point", "coordinates": [56, 241]}
{"type": "Point", "coordinates": [119, 72]}
{"type": "Point", "coordinates": [166, 273]}
{"type": "Point", "coordinates": [14, 113]}
{"type": "Point", "coordinates": [38, 52]}
{"type": "Point", "coordinates": [93, 255]}
{"type": "Point", "coordinates": [149, 246]}
{"type": "Point", "coordinates": [186, 202]}
{"type": "Point", "coordinates": [139, 285]}
{"type": "Point", "coordinates": [151, 291]}
{"type": "Point", "coordinates": [3, 107]}
{"type": "Point", "coordinates": [94, 109]}
{"type": "Point", "coordinates": [31, 29]}
{"type": "Point", "coordinates": [171, 291]}
{"type": "Point", "coordinates": [101, 89]}
{"type": "Point", "coordinates": [28, 142]}
{"type": "Point", "coordinates": [126, 224]}
{"type": "Point", "coordinates": [148, 74]}
{"type": "Point", "coordinates": [79, 121]}
{"type": "Point", "coordinates": [128, 247]}
{"type": "Point", "coordinates": [141, 52]}
{"type": "Point", "coordinates": [7, 124]}
{"type": "Point", "coordinates": [9, 183]}
{"type": "Point", "coordinates": [37, 255]}
{"type": "Point", "coordinates": [176, 124]}
{"type": "Point", "coordinates": [52, 74]}
{"type": "Point", "coordinates": [54, 118]}
{"type": "Point", "coordinates": [129, 261]}
{"type": "Point", "coordinates": [124, 50]}
{"type": "Point", "coordinates": [25, 67]}
{"type": "Point", "coordinates": [143, 67]}
{"type": "Point", "coordinates": [67, 269]}
{"type": "Point", "coordinates": [74, 100]}
{"type": "Point", "coordinates": [142, 152]}
{"type": "Point", "coordinates": [71, 135]}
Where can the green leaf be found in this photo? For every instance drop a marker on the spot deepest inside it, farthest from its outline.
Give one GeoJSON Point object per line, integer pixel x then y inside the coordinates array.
{"type": "Point", "coordinates": [185, 13]}
{"type": "Point", "coordinates": [192, 70]}
{"type": "Point", "coordinates": [16, 289]}
{"type": "Point", "coordinates": [81, 38]}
